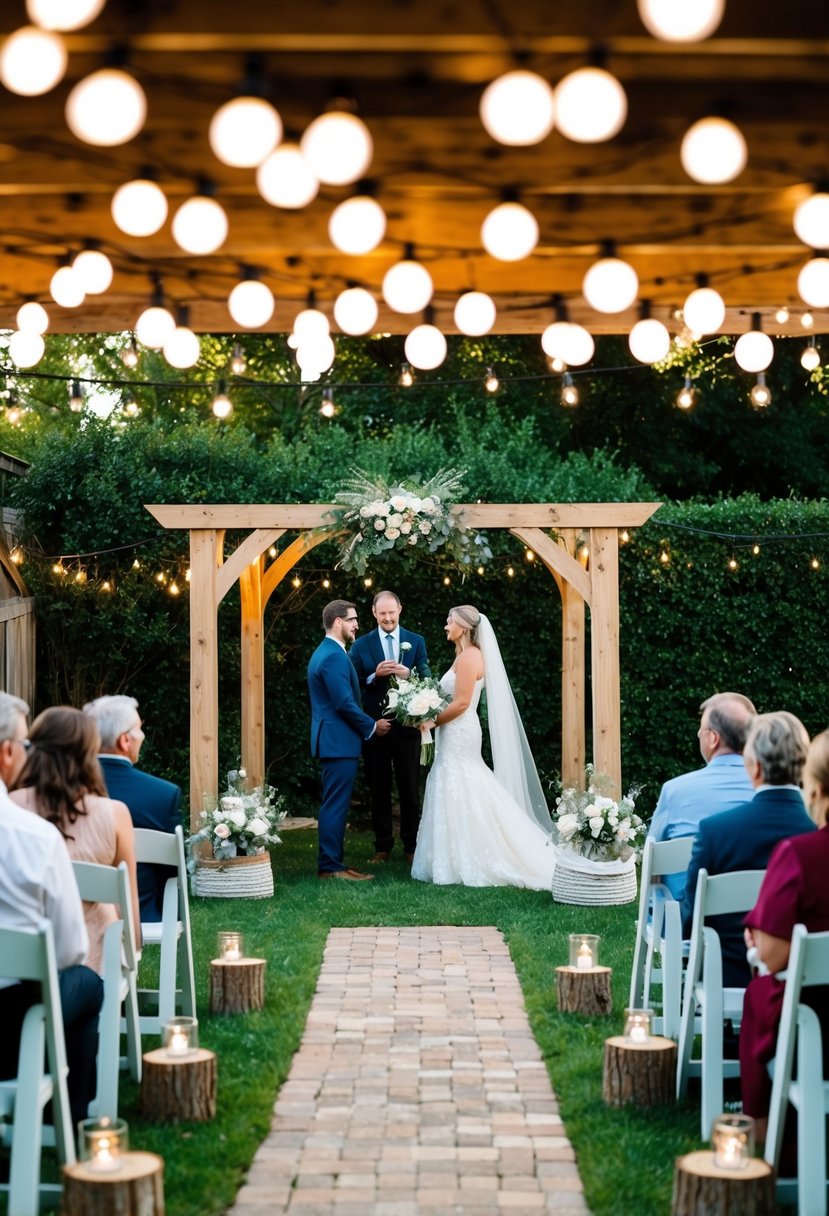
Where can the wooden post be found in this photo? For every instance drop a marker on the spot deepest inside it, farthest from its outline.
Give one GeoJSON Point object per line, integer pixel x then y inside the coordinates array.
{"type": "Point", "coordinates": [573, 746]}
{"type": "Point", "coordinates": [604, 639]}
{"type": "Point", "coordinates": [237, 986]}
{"type": "Point", "coordinates": [640, 1074]}
{"type": "Point", "coordinates": [137, 1189]}
{"type": "Point", "coordinates": [585, 992]}
{"type": "Point", "coordinates": [178, 1089]}
{"type": "Point", "coordinates": [205, 557]}
{"type": "Point", "coordinates": [253, 673]}
{"type": "Point", "coordinates": [702, 1188]}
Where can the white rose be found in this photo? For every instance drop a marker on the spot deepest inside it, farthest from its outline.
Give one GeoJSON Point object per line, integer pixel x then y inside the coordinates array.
{"type": "Point", "coordinates": [398, 502]}
{"type": "Point", "coordinates": [395, 521]}
{"type": "Point", "coordinates": [232, 802]}
{"type": "Point", "coordinates": [567, 826]}
{"type": "Point", "coordinates": [222, 831]}
{"type": "Point", "coordinates": [404, 685]}
{"type": "Point", "coordinates": [413, 540]}
{"type": "Point", "coordinates": [623, 833]}
{"type": "Point", "coordinates": [238, 818]}
{"type": "Point", "coordinates": [380, 524]}
{"type": "Point", "coordinates": [419, 705]}
{"type": "Point", "coordinates": [392, 533]}
{"type": "Point", "coordinates": [590, 810]}
{"type": "Point", "coordinates": [405, 527]}
{"type": "Point", "coordinates": [596, 825]}
{"type": "Point", "coordinates": [404, 646]}
{"type": "Point", "coordinates": [425, 527]}
{"type": "Point", "coordinates": [365, 511]}
{"type": "Point", "coordinates": [602, 803]}
{"type": "Point", "coordinates": [434, 699]}
{"type": "Point", "coordinates": [258, 827]}
{"type": "Point", "coordinates": [413, 503]}
{"type": "Point", "coordinates": [613, 819]}
{"type": "Point", "coordinates": [428, 505]}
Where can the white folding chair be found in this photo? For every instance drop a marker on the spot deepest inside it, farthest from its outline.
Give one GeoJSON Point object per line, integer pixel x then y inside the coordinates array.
{"type": "Point", "coordinates": [176, 976]}
{"type": "Point", "coordinates": [27, 954]}
{"type": "Point", "coordinates": [705, 997]}
{"type": "Point", "coordinates": [111, 885]}
{"type": "Point", "coordinates": [809, 1093]}
{"type": "Point", "coordinates": [659, 931]}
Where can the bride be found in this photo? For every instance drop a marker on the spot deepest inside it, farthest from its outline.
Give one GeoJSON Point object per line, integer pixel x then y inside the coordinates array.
{"type": "Point", "coordinates": [482, 828]}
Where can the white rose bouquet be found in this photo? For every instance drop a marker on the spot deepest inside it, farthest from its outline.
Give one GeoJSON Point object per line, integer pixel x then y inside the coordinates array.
{"type": "Point", "coordinates": [418, 699]}
{"type": "Point", "coordinates": [242, 822]}
{"type": "Point", "coordinates": [594, 825]}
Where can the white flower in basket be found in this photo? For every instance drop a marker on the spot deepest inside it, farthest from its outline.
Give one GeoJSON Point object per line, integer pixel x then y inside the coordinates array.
{"type": "Point", "coordinates": [244, 822]}
{"type": "Point", "coordinates": [598, 838]}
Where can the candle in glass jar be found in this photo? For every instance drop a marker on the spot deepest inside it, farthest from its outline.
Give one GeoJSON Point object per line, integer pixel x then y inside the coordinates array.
{"type": "Point", "coordinates": [230, 947]}
{"type": "Point", "coordinates": [181, 1037]}
{"type": "Point", "coordinates": [638, 1025]}
{"type": "Point", "coordinates": [178, 1043]}
{"type": "Point", "coordinates": [732, 1139]}
{"type": "Point", "coordinates": [584, 960]}
{"type": "Point", "coordinates": [103, 1143]}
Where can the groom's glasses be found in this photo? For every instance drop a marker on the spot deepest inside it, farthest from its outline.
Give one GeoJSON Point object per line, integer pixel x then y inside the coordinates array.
{"type": "Point", "coordinates": [349, 619]}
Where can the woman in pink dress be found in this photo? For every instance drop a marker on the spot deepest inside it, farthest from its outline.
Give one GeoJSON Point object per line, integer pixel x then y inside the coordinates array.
{"type": "Point", "coordinates": [794, 891]}
{"type": "Point", "coordinates": [62, 782]}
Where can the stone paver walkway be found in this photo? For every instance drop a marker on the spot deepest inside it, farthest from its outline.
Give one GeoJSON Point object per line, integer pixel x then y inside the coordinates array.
{"type": "Point", "coordinates": [417, 1087]}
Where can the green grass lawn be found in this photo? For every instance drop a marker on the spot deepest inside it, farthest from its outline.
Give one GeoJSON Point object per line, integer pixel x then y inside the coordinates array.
{"type": "Point", "coordinates": [626, 1157]}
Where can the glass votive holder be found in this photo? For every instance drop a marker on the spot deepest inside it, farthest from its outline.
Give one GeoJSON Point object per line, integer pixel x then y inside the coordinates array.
{"type": "Point", "coordinates": [638, 1024]}
{"type": "Point", "coordinates": [181, 1037]}
{"type": "Point", "coordinates": [102, 1144]}
{"type": "Point", "coordinates": [732, 1139]}
{"type": "Point", "coordinates": [584, 951]}
{"type": "Point", "coordinates": [231, 947]}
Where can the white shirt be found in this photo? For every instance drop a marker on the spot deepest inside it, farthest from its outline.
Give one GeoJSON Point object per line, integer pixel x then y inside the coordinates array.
{"type": "Point", "coordinates": [37, 882]}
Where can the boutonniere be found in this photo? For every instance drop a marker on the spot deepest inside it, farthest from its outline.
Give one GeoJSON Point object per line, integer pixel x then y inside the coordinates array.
{"type": "Point", "coordinates": [404, 646]}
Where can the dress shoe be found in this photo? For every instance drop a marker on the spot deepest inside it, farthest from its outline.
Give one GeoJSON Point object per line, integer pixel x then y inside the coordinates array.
{"type": "Point", "coordinates": [347, 875]}
{"type": "Point", "coordinates": [378, 858]}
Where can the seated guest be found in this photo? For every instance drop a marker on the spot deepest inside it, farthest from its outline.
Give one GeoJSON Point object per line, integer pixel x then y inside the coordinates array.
{"type": "Point", "coordinates": [743, 839]}
{"type": "Point", "coordinates": [61, 781]}
{"type": "Point", "coordinates": [794, 891]}
{"type": "Point", "coordinates": [152, 801]}
{"type": "Point", "coordinates": [37, 883]}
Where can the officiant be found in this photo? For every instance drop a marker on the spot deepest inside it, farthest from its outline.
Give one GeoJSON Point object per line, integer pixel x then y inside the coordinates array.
{"type": "Point", "coordinates": [390, 651]}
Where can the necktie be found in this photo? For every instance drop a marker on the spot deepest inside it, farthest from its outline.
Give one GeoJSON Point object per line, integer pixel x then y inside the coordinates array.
{"type": "Point", "coordinates": [390, 647]}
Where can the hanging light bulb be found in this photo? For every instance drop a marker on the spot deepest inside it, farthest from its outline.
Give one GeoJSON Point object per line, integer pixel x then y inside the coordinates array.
{"type": "Point", "coordinates": [475, 313]}
{"type": "Point", "coordinates": [811, 221]}
{"type": "Point", "coordinates": [807, 320]}
{"type": "Point", "coordinates": [407, 286]}
{"type": "Point", "coordinates": [139, 207]}
{"type": "Point", "coordinates": [357, 225]}
{"type": "Point", "coordinates": [156, 323]}
{"type": "Point", "coordinates": [406, 378]}
{"type": "Point", "coordinates": [76, 401]}
{"type": "Point", "coordinates": [65, 288]}
{"type": "Point", "coordinates": [518, 109]}
{"type": "Point", "coordinates": [244, 131]}
{"type": "Point", "coordinates": [686, 398]}
{"type": "Point", "coordinates": [813, 282]}
{"type": "Point", "coordinates": [556, 364]}
{"type": "Point", "coordinates": [760, 394]}
{"type": "Point", "coordinates": [238, 362]}
{"type": "Point", "coordinates": [94, 271]}
{"type": "Point", "coordinates": [591, 105]}
{"type": "Point", "coordinates": [311, 325]}
{"type": "Point", "coordinates": [704, 309]}
{"type": "Point", "coordinates": [14, 413]}
{"type": "Point", "coordinates": [285, 179]}
{"type": "Point", "coordinates": [222, 405]}
{"type": "Point", "coordinates": [63, 14]}
{"type": "Point", "coordinates": [713, 151]}
{"type": "Point", "coordinates": [649, 340]}
{"type": "Point", "coordinates": [509, 232]}
{"type": "Point", "coordinates": [200, 224]}
{"type": "Point", "coordinates": [32, 61]}
{"type": "Point", "coordinates": [810, 358]}
{"type": "Point", "coordinates": [26, 348]}
{"type": "Point", "coordinates": [107, 108]}
{"type": "Point", "coordinates": [782, 315]}
{"type": "Point", "coordinates": [681, 22]}
{"type": "Point", "coordinates": [129, 355]}
{"type": "Point", "coordinates": [355, 311]}
{"type": "Point", "coordinates": [328, 408]}
{"type": "Point", "coordinates": [569, 391]}
{"type": "Point", "coordinates": [425, 347]}
{"type": "Point", "coordinates": [182, 348]}
{"type": "Point", "coordinates": [315, 356]}
{"type": "Point", "coordinates": [754, 351]}
{"type": "Point", "coordinates": [32, 317]}
{"type": "Point", "coordinates": [491, 381]}
{"type": "Point", "coordinates": [338, 147]}
{"type": "Point", "coordinates": [570, 343]}
{"type": "Point", "coordinates": [251, 303]}
{"type": "Point", "coordinates": [610, 286]}
{"type": "Point", "coordinates": [129, 405]}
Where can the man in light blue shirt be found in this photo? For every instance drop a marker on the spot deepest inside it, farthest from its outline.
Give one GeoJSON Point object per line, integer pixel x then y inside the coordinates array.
{"type": "Point", "coordinates": [722, 785]}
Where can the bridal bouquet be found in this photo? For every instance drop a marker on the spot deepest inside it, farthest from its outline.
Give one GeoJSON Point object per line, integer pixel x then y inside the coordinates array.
{"type": "Point", "coordinates": [244, 822]}
{"type": "Point", "coordinates": [417, 700]}
{"type": "Point", "coordinates": [597, 826]}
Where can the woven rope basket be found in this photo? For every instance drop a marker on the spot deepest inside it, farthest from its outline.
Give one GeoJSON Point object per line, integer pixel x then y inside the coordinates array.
{"type": "Point", "coordinates": [235, 878]}
{"type": "Point", "coordinates": [571, 886]}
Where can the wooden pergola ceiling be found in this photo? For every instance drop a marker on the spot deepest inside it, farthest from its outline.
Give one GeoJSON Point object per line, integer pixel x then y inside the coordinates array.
{"type": "Point", "coordinates": [416, 69]}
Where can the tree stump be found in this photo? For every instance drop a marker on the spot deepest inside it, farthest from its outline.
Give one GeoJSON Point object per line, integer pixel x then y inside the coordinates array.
{"type": "Point", "coordinates": [702, 1188]}
{"type": "Point", "coordinates": [238, 986]}
{"type": "Point", "coordinates": [584, 991]}
{"type": "Point", "coordinates": [641, 1074]}
{"type": "Point", "coordinates": [137, 1189]}
{"type": "Point", "coordinates": [178, 1089]}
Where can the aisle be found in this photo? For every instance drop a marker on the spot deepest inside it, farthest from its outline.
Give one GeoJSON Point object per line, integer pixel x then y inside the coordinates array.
{"type": "Point", "coordinates": [417, 1087]}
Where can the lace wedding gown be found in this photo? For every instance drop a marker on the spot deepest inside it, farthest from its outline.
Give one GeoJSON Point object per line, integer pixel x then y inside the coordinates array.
{"type": "Point", "coordinates": [472, 831]}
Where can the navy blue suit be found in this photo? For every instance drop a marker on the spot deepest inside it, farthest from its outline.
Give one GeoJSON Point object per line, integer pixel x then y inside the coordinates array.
{"type": "Point", "coordinates": [397, 751]}
{"type": "Point", "coordinates": [153, 803]}
{"type": "Point", "coordinates": [338, 729]}
{"type": "Point", "coordinates": [742, 839]}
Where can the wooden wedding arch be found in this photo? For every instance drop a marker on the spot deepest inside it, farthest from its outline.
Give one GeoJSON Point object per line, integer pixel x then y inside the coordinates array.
{"type": "Point", "coordinates": [212, 574]}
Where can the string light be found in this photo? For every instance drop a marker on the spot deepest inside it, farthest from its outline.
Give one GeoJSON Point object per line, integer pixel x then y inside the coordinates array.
{"type": "Point", "coordinates": [328, 408]}
{"type": "Point", "coordinates": [673, 22]}
{"type": "Point", "coordinates": [32, 61]}
{"type": "Point", "coordinates": [584, 555]}
{"type": "Point", "coordinates": [338, 147]}
{"type": "Point", "coordinates": [704, 309]}
{"type": "Point", "coordinates": [251, 302]}
{"type": "Point", "coordinates": [326, 582]}
{"type": "Point", "coordinates": [447, 580]}
{"type": "Point", "coordinates": [480, 570]}
{"type": "Point", "coordinates": [355, 311]}
{"type": "Point", "coordinates": [529, 555]}
{"type": "Point", "coordinates": [200, 224]}
{"type": "Point", "coordinates": [66, 288]}
{"type": "Point", "coordinates": [510, 572]}
{"type": "Point", "coordinates": [245, 130]}
{"type": "Point", "coordinates": [136, 565]}
{"type": "Point", "coordinates": [93, 270]}
{"type": "Point", "coordinates": [518, 109]}
{"type": "Point", "coordinates": [755, 549]}
{"type": "Point", "coordinates": [491, 381]}
{"type": "Point", "coordinates": [368, 582]}
{"type": "Point", "coordinates": [129, 355]}
{"type": "Point", "coordinates": [760, 394]}
{"type": "Point", "coordinates": [569, 391]}
{"type": "Point", "coordinates": [807, 320]}
{"type": "Point", "coordinates": [686, 398]}
{"type": "Point", "coordinates": [139, 207]}
{"type": "Point", "coordinates": [624, 536]}
{"type": "Point", "coordinates": [272, 551]}
{"type": "Point", "coordinates": [222, 406]}
{"type": "Point", "coordinates": [475, 313]}
{"type": "Point", "coordinates": [510, 232]}
{"type": "Point", "coordinates": [63, 14]}
{"type": "Point", "coordinates": [106, 108]}
{"type": "Point", "coordinates": [664, 557]}
{"type": "Point", "coordinates": [32, 317]}
{"type": "Point", "coordinates": [810, 357]}
{"type": "Point", "coordinates": [754, 350]}
{"type": "Point", "coordinates": [811, 221]}
{"type": "Point", "coordinates": [782, 315]}
{"type": "Point", "coordinates": [130, 406]}
{"type": "Point", "coordinates": [590, 105]}
{"type": "Point", "coordinates": [174, 589]}
{"type": "Point", "coordinates": [406, 378]}
{"type": "Point", "coordinates": [16, 555]}
{"type": "Point", "coordinates": [238, 362]}
{"type": "Point", "coordinates": [425, 347]}
{"type": "Point", "coordinates": [161, 578]}
{"type": "Point", "coordinates": [358, 225]}
{"type": "Point", "coordinates": [407, 286]}
{"type": "Point", "coordinates": [26, 348]}
{"type": "Point", "coordinates": [76, 400]}
{"type": "Point", "coordinates": [285, 179]}
{"type": "Point", "coordinates": [610, 285]}
{"type": "Point", "coordinates": [182, 348]}
{"type": "Point", "coordinates": [59, 568]}
{"type": "Point", "coordinates": [814, 563]}
{"type": "Point", "coordinates": [106, 585]}
{"type": "Point", "coordinates": [713, 151]}
{"type": "Point", "coordinates": [813, 282]}
{"type": "Point", "coordinates": [733, 564]}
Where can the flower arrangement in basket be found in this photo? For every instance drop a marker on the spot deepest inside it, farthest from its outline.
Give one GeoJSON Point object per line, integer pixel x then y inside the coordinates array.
{"type": "Point", "coordinates": [593, 825]}
{"type": "Point", "coordinates": [405, 515]}
{"type": "Point", "coordinates": [418, 699]}
{"type": "Point", "coordinates": [241, 823]}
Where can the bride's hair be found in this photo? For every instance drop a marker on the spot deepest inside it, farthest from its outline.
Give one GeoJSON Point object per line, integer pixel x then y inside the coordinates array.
{"type": "Point", "coordinates": [469, 618]}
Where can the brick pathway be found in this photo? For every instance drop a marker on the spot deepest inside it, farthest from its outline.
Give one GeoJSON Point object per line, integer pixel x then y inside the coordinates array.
{"type": "Point", "coordinates": [417, 1087]}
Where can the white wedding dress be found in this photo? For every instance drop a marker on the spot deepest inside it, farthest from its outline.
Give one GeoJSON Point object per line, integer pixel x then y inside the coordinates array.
{"type": "Point", "coordinates": [473, 832]}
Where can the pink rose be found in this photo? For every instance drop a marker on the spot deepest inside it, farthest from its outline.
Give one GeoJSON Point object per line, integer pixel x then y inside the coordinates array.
{"type": "Point", "coordinates": [222, 831]}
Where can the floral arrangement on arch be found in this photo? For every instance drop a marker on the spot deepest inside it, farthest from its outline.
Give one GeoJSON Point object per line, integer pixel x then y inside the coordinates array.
{"type": "Point", "coordinates": [405, 515]}
{"type": "Point", "coordinates": [241, 823]}
{"type": "Point", "coordinates": [594, 825]}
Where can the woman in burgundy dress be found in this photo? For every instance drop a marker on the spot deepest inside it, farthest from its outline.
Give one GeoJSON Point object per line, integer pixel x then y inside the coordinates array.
{"type": "Point", "coordinates": [794, 891]}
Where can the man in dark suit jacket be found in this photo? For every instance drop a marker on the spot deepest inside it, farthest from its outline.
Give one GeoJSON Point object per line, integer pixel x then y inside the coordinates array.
{"type": "Point", "coordinates": [338, 729]}
{"type": "Point", "coordinates": [390, 651]}
{"type": "Point", "coordinates": [152, 801]}
{"type": "Point", "coordinates": [744, 838]}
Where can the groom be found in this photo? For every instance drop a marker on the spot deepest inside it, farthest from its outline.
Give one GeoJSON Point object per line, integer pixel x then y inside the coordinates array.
{"type": "Point", "coordinates": [387, 651]}
{"type": "Point", "coordinates": [338, 729]}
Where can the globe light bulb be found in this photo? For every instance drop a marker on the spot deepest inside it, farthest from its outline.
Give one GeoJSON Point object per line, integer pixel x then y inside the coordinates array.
{"type": "Point", "coordinates": [704, 311]}
{"type": "Point", "coordinates": [222, 405]}
{"type": "Point", "coordinates": [106, 108]}
{"type": "Point", "coordinates": [475, 313]}
{"type": "Point", "coordinates": [781, 316]}
{"type": "Point", "coordinates": [686, 398]}
{"type": "Point", "coordinates": [63, 14]}
{"type": "Point", "coordinates": [807, 320]}
{"type": "Point", "coordinates": [610, 285]}
{"type": "Point", "coordinates": [238, 362]}
{"type": "Point", "coordinates": [26, 347]}
{"type": "Point", "coordinates": [811, 221]}
{"type": "Point", "coordinates": [200, 225]}
{"type": "Point", "coordinates": [66, 289]}
{"type": "Point", "coordinates": [406, 378]}
{"type": "Point", "coordinates": [328, 407]}
{"type": "Point", "coordinates": [154, 327]}
{"type": "Point", "coordinates": [244, 131]}
{"type": "Point", "coordinates": [32, 61]}
{"type": "Point", "coordinates": [591, 106]}
{"type": "Point", "coordinates": [569, 343]}
{"type": "Point", "coordinates": [182, 348]}
{"type": "Point", "coordinates": [649, 341]}
{"type": "Point", "coordinates": [355, 311]}
{"type": "Point", "coordinates": [509, 232]}
{"type": "Point", "coordinates": [810, 358]}
{"type": "Point", "coordinates": [491, 381]}
{"type": "Point", "coordinates": [813, 283]}
{"type": "Point", "coordinates": [569, 391]}
{"type": "Point", "coordinates": [338, 147]}
{"type": "Point", "coordinates": [129, 356]}
{"type": "Point", "coordinates": [139, 208]}
{"type": "Point", "coordinates": [311, 326]}
{"type": "Point", "coordinates": [32, 317]}
{"type": "Point", "coordinates": [251, 304]}
{"type": "Point", "coordinates": [315, 355]}
{"type": "Point", "coordinates": [760, 394]}
{"type": "Point", "coordinates": [713, 151]}
{"type": "Point", "coordinates": [681, 20]}
{"type": "Point", "coordinates": [94, 271]}
{"type": "Point", "coordinates": [754, 351]}
{"type": "Point", "coordinates": [407, 287]}
{"type": "Point", "coordinates": [358, 225]}
{"type": "Point", "coordinates": [518, 109]}
{"type": "Point", "coordinates": [285, 179]}
{"type": "Point", "coordinates": [425, 347]}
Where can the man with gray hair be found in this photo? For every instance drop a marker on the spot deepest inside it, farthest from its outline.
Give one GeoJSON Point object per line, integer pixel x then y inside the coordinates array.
{"type": "Point", "coordinates": [686, 800]}
{"type": "Point", "coordinates": [152, 801]}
